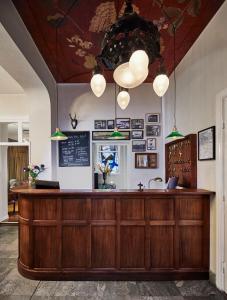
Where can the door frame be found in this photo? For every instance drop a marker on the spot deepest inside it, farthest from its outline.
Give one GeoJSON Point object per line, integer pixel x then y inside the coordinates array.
{"type": "Point", "coordinates": [119, 143]}
{"type": "Point", "coordinates": [4, 145]}
{"type": "Point", "coordinates": [220, 196]}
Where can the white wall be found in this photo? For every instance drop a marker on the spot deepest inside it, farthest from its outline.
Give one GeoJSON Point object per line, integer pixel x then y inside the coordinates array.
{"type": "Point", "coordinates": [201, 75]}
{"type": "Point", "coordinates": [78, 98]}
{"type": "Point", "coordinates": [13, 106]}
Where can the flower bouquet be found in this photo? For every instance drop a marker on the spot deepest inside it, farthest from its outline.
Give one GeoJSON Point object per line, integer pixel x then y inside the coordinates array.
{"type": "Point", "coordinates": [33, 172]}
{"type": "Point", "coordinates": [105, 169]}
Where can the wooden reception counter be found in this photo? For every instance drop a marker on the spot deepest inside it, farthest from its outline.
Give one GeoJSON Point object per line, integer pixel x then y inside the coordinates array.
{"type": "Point", "coordinates": [114, 235]}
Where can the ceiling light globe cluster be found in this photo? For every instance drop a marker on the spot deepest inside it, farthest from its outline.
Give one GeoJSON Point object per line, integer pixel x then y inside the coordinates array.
{"type": "Point", "coordinates": [131, 74]}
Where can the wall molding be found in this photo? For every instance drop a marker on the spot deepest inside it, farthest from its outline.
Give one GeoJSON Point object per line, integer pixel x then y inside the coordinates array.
{"type": "Point", "coordinates": [220, 204]}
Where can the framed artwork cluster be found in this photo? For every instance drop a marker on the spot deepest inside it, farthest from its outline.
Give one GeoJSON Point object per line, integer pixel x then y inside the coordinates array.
{"type": "Point", "coordinates": [135, 130]}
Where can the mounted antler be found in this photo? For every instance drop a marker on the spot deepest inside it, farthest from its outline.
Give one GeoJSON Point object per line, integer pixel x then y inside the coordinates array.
{"type": "Point", "coordinates": [74, 121]}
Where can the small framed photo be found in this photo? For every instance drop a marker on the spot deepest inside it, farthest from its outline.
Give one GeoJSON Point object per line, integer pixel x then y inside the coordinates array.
{"type": "Point", "coordinates": [206, 144]}
{"type": "Point", "coordinates": [100, 124]}
{"type": "Point", "coordinates": [139, 146]}
{"type": "Point", "coordinates": [137, 123]}
{"type": "Point", "coordinates": [146, 160]}
{"type": "Point", "coordinates": [152, 118]}
{"type": "Point", "coordinates": [123, 123]}
{"type": "Point", "coordinates": [153, 130]}
{"type": "Point", "coordinates": [110, 124]}
{"type": "Point", "coordinates": [151, 144]}
{"type": "Point", "coordinates": [137, 134]}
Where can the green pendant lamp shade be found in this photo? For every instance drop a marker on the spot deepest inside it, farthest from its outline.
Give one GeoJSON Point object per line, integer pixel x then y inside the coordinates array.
{"type": "Point", "coordinates": [175, 134]}
{"type": "Point", "coordinates": [117, 135]}
{"type": "Point", "coordinates": [58, 135]}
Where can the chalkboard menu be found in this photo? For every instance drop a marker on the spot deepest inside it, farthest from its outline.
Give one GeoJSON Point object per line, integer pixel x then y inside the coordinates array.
{"type": "Point", "coordinates": [75, 151]}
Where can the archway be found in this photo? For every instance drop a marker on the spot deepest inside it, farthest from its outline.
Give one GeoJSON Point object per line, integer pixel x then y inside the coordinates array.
{"type": "Point", "coordinates": [28, 99]}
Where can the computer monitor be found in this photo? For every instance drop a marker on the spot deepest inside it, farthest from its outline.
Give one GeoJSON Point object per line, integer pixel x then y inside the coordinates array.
{"type": "Point", "coordinates": [46, 184]}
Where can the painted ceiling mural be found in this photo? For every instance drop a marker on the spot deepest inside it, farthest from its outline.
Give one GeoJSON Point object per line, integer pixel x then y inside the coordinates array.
{"type": "Point", "coordinates": [68, 33]}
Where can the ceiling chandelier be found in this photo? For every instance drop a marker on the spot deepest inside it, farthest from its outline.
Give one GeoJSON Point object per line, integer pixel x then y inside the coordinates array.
{"type": "Point", "coordinates": [128, 47]}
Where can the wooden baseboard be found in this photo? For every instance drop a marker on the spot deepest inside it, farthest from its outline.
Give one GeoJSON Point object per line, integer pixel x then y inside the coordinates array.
{"type": "Point", "coordinates": [111, 276]}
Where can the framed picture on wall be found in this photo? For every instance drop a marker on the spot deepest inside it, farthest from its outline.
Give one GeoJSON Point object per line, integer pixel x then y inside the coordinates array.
{"type": "Point", "coordinates": [137, 134]}
{"type": "Point", "coordinates": [123, 123]}
{"type": "Point", "coordinates": [100, 124]}
{"type": "Point", "coordinates": [153, 130]}
{"type": "Point", "coordinates": [110, 124]}
{"type": "Point", "coordinates": [146, 160]}
{"type": "Point", "coordinates": [152, 118]}
{"type": "Point", "coordinates": [106, 135]}
{"type": "Point", "coordinates": [137, 123]}
{"type": "Point", "coordinates": [139, 146]}
{"type": "Point", "coordinates": [206, 144]}
{"type": "Point", "coordinates": [151, 144]}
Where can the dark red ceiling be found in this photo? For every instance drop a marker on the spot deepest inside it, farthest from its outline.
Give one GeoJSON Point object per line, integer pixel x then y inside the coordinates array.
{"type": "Point", "coordinates": [83, 22]}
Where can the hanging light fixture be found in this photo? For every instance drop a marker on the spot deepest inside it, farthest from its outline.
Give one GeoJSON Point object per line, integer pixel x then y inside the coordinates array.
{"type": "Point", "coordinates": [57, 135]}
{"type": "Point", "coordinates": [128, 47]}
{"type": "Point", "coordinates": [123, 98]}
{"type": "Point", "coordinates": [116, 135]}
{"type": "Point", "coordinates": [98, 82]}
{"type": "Point", "coordinates": [161, 82]}
{"type": "Point", "coordinates": [174, 134]}
{"type": "Point", "coordinates": [125, 78]}
{"type": "Point", "coordinates": [138, 64]}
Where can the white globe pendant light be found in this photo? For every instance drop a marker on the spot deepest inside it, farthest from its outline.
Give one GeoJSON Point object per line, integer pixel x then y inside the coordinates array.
{"type": "Point", "coordinates": [138, 62]}
{"type": "Point", "coordinates": [98, 84]}
{"type": "Point", "coordinates": [125, 78]}
{"type": "Point", "coordinates": [161, 84]}
{"type": "Point", "coordinates": [123, 99]}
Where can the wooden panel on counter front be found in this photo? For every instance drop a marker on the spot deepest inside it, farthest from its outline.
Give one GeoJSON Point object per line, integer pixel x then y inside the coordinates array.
{"type": "Point", "coordinates": [114, 235]}
{"type": "Point", "coordinates": [162, 253]}
{"type": "Point", "coordinates": [181, 161]}
{"type": "Point", "coordinates": [75, 241]}
{"type": "Point", "coordinates": [132, 247]}
{"type": "Point", "coordinates": [46, 249]}
{"type": "Point", "coordinates": [103, 245]}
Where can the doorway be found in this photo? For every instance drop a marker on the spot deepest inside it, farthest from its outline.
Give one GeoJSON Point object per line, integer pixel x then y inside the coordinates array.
{"type": "Point", "coordinates": [115, 155]}
{"type": "Point", "coordinates": [17, 160]}
{"type": "Point", "coordinates": [14, 156]}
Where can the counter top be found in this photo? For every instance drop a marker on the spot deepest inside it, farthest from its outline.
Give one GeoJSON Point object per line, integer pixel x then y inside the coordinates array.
{"type": "Point", "coordinates": [146, 192]}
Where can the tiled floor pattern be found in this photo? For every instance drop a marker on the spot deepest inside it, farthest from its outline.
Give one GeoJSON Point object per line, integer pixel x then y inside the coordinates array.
{"type": "Point", "coordinates": [14, 287]}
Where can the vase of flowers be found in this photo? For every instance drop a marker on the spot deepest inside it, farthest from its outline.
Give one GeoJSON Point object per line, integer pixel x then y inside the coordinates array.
{"type": "Point", "coordinates": [105, 169]}
{"type": "Point", "coordinates": [33, 172]}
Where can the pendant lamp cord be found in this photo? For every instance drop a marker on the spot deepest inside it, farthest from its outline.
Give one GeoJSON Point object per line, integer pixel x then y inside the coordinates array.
{"type": "Point", "coordinates": [115, 104]}
{"type": "Point", "coordinates": [57, 75]}
{"type": "Point", "coordinates": [174, 73]}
